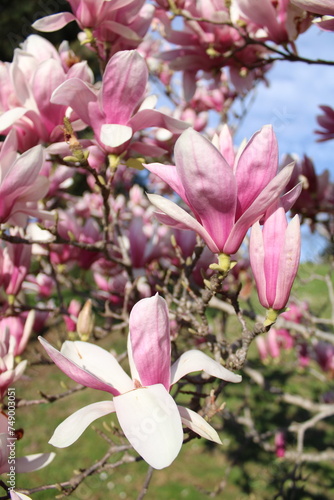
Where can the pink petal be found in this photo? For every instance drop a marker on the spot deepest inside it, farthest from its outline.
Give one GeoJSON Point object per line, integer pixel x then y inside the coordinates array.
{"type": "Point", "coordinates": [256, 167]}
{"type": "Point", "coordinates": [126, 74]}
{"type": "Point", "coordinates": [54, 22]}
{"type": "Point", "coordinates": [289, 262]}
{"type": "Point", "coordinates": [256, 253]}
{"type": "Point", "coordinates": [71, 429]}
{"type": "Point", "coordinates": [77, 94]}
{"type": "Point", "coordinates": [196, 423]}
{"type": "Point", "coordinates": [169, 174]}
{"type": "Point", "coordinates": [209, 184]}
{"type": "Point", "coordinates": [194, 361]}
{"type": "Point", "coordinates": [150, 340]}
{"type": "Point", "coordinates": [153, 118]}
{"type": "Point", "coordinates": [76, 372]}
{"type": "Point", "coordinates": [182, 218]}
{"type": "Point", "coordinates": [266, 198]}
{"type": "Point", "coordinates": [151, 422]}
{"type": "Point", "coordinates": [226, 145]}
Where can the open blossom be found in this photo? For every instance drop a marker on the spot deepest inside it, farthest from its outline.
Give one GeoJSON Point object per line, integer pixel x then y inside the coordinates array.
{"type": "Point", "coordinates": [21, 186]}
{"type": "Point", "coordinates": [27, 83]}
{"type": "Point", "coordinates": [323, 8]}
{"type": "Point", "coordinates": [147, 413]}
{"type": "Point", "coordinates": [121, 23]}
{"type": "Point", "coordinates": [14, 266]}
{"type": "Point", "coordinates": [274, 257]}
{"type": "Point", "coordinates": [226, 192]}
{"type": "Point", "coordinates": [118, 109]}
{"type": "Point", "coordinates": [9, 373]}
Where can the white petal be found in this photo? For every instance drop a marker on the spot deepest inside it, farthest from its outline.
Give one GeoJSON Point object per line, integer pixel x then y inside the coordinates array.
{"type": "Point", "coordinates": [151, 422]}
{"type": "Point", "coordinates": [114, 135]}
{"type": "Point", "coordinates": [72, 428]}
{"type": "Point", "coordinates": [196, 423]}
{"type": "Point", "coordinates": [14, 495]}
{"type": "Point", "coordinates": [99, 362]}
{"type": "Point", "coordinates": [33, 462]}
{"type": "Point", "coordinates": [194, 361]}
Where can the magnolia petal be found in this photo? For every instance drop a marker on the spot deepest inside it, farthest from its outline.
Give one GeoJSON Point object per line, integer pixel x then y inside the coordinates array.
{"type": "Point", "coordinates": [14, 495]}
{"type": "Point", "coordinates": [54, 22]}
{"type": "Point", "coordinates": [181, 216]}
{"type": "Point", "coordinates": [77, 94]}
{"type": "Point", "coordinates": [124, 84]}
{"type": "Point", "coordinates": [196, 423]}
{"type": "Point", "coordinates": [154, 118]}
{"type": "Point", "coordinates": [150, 340]}
{"type": "Point", "coordinates": [8, 118]}
{"type": "Point", "coordinates": [266, 198]}
{"type": "Point", "coordinates": [209, 184]}
{"type": "Point", "coordinates": [99, 362]}
{"type": "Point", "coordinates": [256, 254]}
{"type": "Point", "coordinates": [168, 173]}
{"type": "Point", "coordinates": [33, 462]}
{"type": "Point", "coordinates": [71, 429]}
{"type": "Point", "coordinates": [74, 371]}
{"type": "Point", "coordinates": [194, 361]}
{"type": "Point", "coordinates": [256, 167]}
{"type": "Point", "coordinates": [114, 135]}
{"type": "Point", "coordinates": [288, 265]}
{"type": "Point", "coordinates": [151, 422]}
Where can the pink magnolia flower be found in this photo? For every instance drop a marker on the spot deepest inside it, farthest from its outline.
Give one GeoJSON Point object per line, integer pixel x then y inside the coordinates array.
{"type": "Point", "coordinates": [36, 71]}
{"type": "Point", "coordinates": [121, 23]}
{"type": "Point", "coordinates": [147, 413]}
{"type": "Point", "coordinates": [19, 329]}
{"type": "Point", "coordinates": [324, 353]}
{"type": "Point", "coordinates": [326, 122]}
{"type": "Point", "coordinates": [9, 373]}
{"type": "Point", "coordinates": [279, 21]}
{"type": "Point", "coordinates": [117, 110]}
{"type": "Point", "coordinates": [226, 193]}
{"type": "Point", "coordinates": [323, 8]}
{"type": "Point", "coordinates": [280, 444]}
{"type": "Point", "coordinates": [28, 463]}
{"type": "Point", "coordinates": [274, 257]}
{"type": "Point", "coordinates": [14, 266]}
{"type": "Point", "coordinates": [21, 186]}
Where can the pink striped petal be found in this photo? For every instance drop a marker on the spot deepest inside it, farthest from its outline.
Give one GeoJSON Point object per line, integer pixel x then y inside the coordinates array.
{"type": "Point", "coordinates": [209, 184]}
{"type": "Point", "coordinates": [77, 94]}
{"type": "Point", "coordinates": [76, 372]}
{"type": "Point", "coordinates": [256, 254]}
{"type": "Point", "coordinates": [151, 422]}
{"type": "Point", "coordinates": [182, 219]}
{"type": "Point", "coordinates": [123, 86]}
{"type": "Point", "coordinates": [169, 174]}
{"type": "Point", "coordinates": [150, 341]}
{"type": "Point", "coordinates": [256, 167]}
{"type": "Point", "coordinates": [30, 463]}
{"type": "Point", "coordinates": [71, 429]}
{"type": "Point", "coordinates": [289, 262]}
{"type": "Point", "coordinates": [54, 22]}
{"type": "Point", "coordinates": [154, 118]}
{"type": "Point", "coordinates": [194, 361]}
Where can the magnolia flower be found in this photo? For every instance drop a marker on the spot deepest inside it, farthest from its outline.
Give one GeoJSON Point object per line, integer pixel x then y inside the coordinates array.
{"type": "Point", "coordinates": [274, 257]}
{"type": "Point", "coordinates": [118, 109]}
{"type": "Point", "coordinates": [323, 8]}
{"type": "Point", "coordinates": [226, 193]}
{"type": "Point", "coordinates": [147, 413]}
{"type": "Point", "coordinates": [21, 186]}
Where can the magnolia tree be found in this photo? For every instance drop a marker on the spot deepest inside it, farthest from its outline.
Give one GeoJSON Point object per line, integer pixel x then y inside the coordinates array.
{"type": "Point", "coordinates": [122, 220]}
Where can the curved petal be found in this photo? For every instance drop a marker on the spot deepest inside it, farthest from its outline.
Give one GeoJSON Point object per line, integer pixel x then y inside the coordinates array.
{"type": "Point", "coordinates": [168, 173]}
{"type": "Point", "coordinates": [8, 118]}
{"type": "Point", "coordinates": [195, 361]}
{"type": "Point", "coordinates": [266, 198]}
{"type": "Point", "coordinates": [256, 254]}
{"type": "Point", "coordinates": [196, 423]}
{"type": "Point", "coordinates": [76, 372]}
{"type": "Point", "coordinates": [150, 341]}
{"type": "Point", "coordinates": [209, 184]}
{"type": "Point", "coordinates": [33, 462]}
{"type": "Point", "coordinates": [151, 422]}
{"type": "Point", "coordinates": [98, 362]}
{"type": "Point", "coordinates": [71, 429]}
{"type": "Point", "coordinates": [114, 135]}
{"type": "Point", "coordinates": [15, 495]}
{"type": "Point", "coordinates": [77, 94]}
{"type": "Point", "coordinates": [54, 22]}
{"type": "Point", "coordinates": [154, 118]}
{"type": "Point", "coordinates": [124, 85]}
{"type": "Point", "coordinates": [181, 216]}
